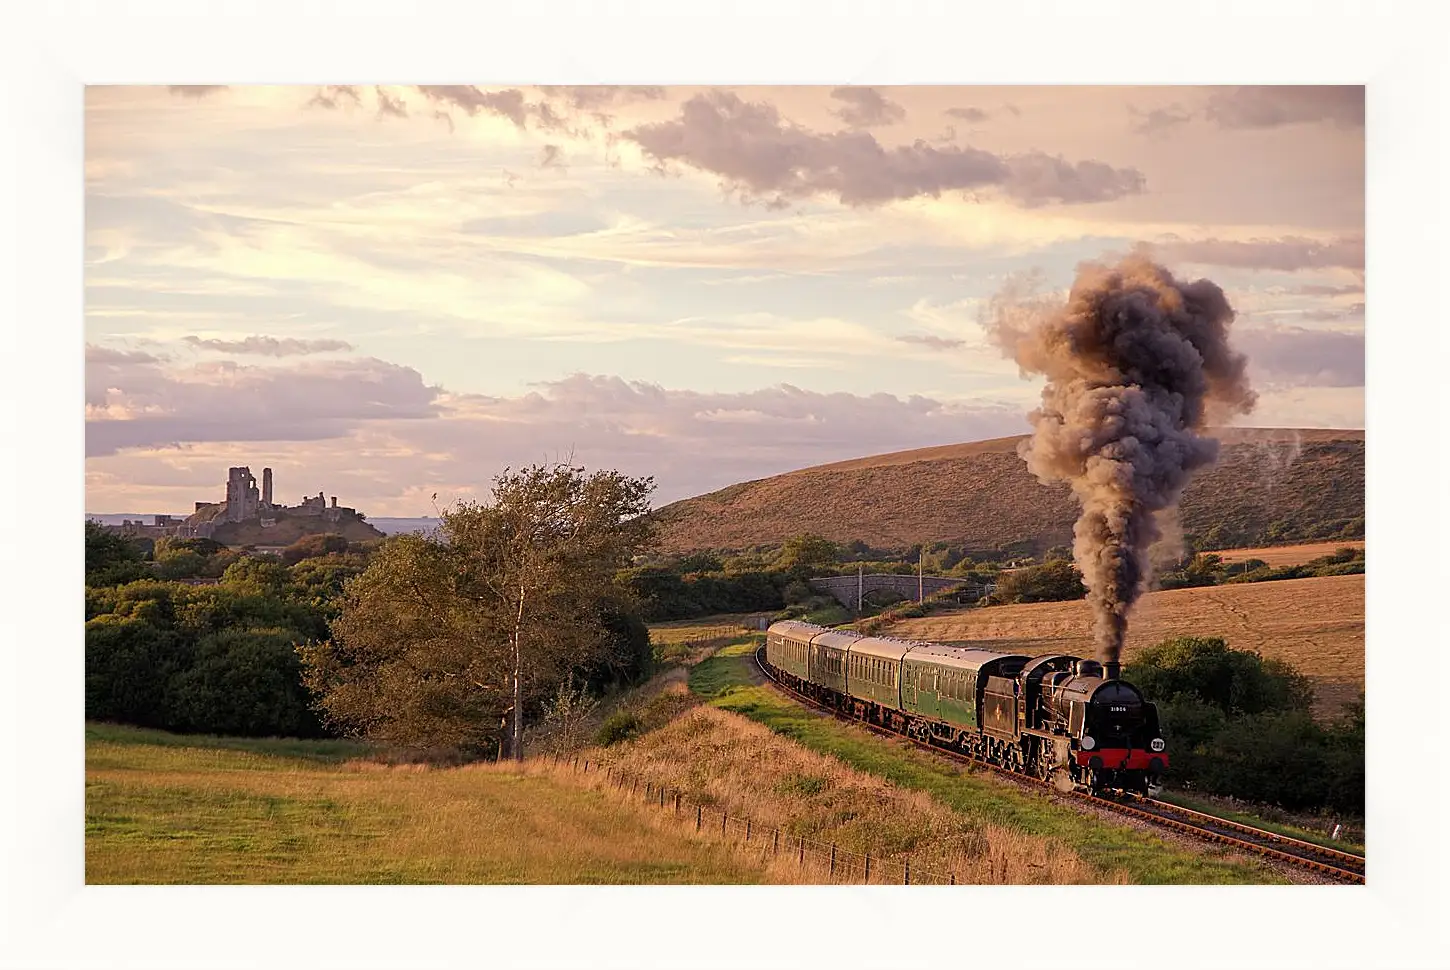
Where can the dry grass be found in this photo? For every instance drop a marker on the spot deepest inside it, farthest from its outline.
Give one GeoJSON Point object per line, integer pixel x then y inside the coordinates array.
{"type": "Point", "coordinates": [743, 768]}
{"type": "Point", "coordinates": [192, 815]}
{"type": "Point", "coordinates": [980, 494]}
{"type": "Point", "coordinates": [1288, 555]}
{"type": "Point", "coordinates": [1315, 624]}
{"type": "Point", "coordinates": [701, 628]}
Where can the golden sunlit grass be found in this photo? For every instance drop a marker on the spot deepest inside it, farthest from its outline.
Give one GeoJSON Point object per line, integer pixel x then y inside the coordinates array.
{"type": "Point", "coordinates": [1288, 555]}
{"type": "Point", "coordinates": [1315, 624]}
{"type": "Point", "coordinates": [740, 767]}
{"type": "Point", "coordinates": [180, 814]}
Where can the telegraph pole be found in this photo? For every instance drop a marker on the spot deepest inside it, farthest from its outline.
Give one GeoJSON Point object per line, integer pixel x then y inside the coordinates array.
{"type": "Point", "coordinates": [920, 558]}
{"type": "Point", "coordinates": [858, 587]}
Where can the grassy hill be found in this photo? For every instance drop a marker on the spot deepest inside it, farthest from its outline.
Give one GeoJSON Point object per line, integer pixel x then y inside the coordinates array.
{"type": "Point", "coordinates": [1269, 486]}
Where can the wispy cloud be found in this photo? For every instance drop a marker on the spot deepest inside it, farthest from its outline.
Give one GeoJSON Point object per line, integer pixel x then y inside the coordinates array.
{"type": "Point", "coordinates": [268, 346]}
{"type": "Point", "coordinates": [1286, 253]}
{"type": "Point", "coordinates": [1270, 106]}
{"type": "Point", "coordinates": [932, 341]}
{"type": "Point", "coordinates": [760, 155]}
{"type": "Point", "coordinates": [867, 108]}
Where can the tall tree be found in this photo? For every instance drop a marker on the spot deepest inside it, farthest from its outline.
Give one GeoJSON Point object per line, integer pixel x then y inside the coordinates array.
{"type": "Point", "coordinates": [443, 635]}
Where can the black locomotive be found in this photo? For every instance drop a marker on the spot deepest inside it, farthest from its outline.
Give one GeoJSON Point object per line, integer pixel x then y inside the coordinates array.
{"type": "Point", "coordinates": [1056, 716]}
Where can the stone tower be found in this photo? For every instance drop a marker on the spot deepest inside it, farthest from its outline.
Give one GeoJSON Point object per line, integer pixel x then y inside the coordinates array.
{"type": "Point", "coordinates": [242, 498]}
{"type": "Point", "coordinates": [266, 486]}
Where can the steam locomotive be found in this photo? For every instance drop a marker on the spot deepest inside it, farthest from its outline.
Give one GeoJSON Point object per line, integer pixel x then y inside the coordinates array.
{"type": "Point", "coordinates": [1061, 718]}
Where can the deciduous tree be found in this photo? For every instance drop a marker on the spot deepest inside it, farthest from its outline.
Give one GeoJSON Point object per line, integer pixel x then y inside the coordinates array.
{"type": "Point", "coordinates": [444, 635]}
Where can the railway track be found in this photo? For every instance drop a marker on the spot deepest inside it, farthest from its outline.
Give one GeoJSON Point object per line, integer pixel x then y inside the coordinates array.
{"type": "Point", "coordinates": [1340, 866]}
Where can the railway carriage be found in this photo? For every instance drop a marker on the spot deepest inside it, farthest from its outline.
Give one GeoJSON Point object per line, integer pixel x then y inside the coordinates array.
{"type": "Point", "coordinates": [829, 653]}
{"type": "Point", "coordinates": [873, 671]}
{"type": "Point", "coordinates": [788, 647]}
{"type": "Point", "coordinates": [948, 690]}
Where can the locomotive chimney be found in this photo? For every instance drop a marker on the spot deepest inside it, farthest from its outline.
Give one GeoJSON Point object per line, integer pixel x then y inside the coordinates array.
{"type": "Point", "coordinates": [1110, 670]}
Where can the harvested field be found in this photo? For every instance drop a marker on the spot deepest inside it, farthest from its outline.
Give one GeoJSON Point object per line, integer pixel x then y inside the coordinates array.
{"type": "Point", "coordinates": [1288, 555]}
{"type": "Point", "coordinates": [1315, 624]}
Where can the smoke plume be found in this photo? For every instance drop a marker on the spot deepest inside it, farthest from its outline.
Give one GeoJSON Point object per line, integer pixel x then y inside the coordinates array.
{"type": "Point", "coordinates": [1137, 364]}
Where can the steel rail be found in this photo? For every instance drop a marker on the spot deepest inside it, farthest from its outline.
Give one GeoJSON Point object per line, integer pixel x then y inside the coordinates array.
{"type": "Point", "coordinates": [1342, 866]}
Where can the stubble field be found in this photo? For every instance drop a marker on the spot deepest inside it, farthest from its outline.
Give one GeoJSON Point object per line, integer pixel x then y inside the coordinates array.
{"type": "Point", "coordinates": [1295, 555]}
{"type": "Point", "coordinates": [1315, 624]}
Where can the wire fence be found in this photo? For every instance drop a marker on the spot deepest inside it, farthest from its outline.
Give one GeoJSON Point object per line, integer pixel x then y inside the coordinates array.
{"type": "Point", "coordinates": [815, 860]}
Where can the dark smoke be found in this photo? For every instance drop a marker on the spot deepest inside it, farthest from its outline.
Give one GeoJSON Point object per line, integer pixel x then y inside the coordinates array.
{"type": "Point", "coordinates": [1137, 364]}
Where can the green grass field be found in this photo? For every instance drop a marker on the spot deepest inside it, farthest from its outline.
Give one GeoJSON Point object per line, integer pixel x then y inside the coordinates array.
{"type": "Point", "coordinates": [169, 809]}
{"type": "Point", "coordinates": [728, 681]}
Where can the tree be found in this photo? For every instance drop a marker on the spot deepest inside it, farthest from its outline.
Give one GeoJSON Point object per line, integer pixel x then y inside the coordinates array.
{"type": "Point", "coordinates": [110, 558]}
{"type": "Point", "coordinates": [806, 553]}
{"type": "Point", "coordinates": [445, 635]}
{"type": "Point", "coordinates": [310, 546]}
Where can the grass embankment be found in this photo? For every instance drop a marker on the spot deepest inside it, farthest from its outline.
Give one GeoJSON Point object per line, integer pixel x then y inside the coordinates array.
{"type": "Point", "coordinates": [1352, 841]}
{"type": "Point", "coordinates": [169, 809]}
{"type": "Point", "coordinates": [979, 801]}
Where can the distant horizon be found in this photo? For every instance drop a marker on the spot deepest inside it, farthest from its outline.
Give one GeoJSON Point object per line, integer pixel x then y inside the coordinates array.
{"type": "Point", "coordinates": [827, 464]}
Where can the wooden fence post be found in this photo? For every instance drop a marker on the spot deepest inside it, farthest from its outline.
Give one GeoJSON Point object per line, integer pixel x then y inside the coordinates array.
{"type": "Point", "coordinates": [833, 860]}
{"type": "Point", "coordinates": [802, 864]}
{"type": "Point", "coordinates": [906, 879]}
{"type": "Point", "coordinates": [867, 877]}
{"type": "Point", "coordinates": [724, 818]}
{"type": "Point", "coordinates": [747, 830]}
{"type": "Point", "coordinates": [775, 844]}
{"type": "Point", "coordinates": [677, 803]}
{"type": "Point", "coordinates": [697, 818]}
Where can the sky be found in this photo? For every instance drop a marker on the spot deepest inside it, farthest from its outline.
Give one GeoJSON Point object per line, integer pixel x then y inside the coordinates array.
{"type": "Point", "coordinates": [388, 293]}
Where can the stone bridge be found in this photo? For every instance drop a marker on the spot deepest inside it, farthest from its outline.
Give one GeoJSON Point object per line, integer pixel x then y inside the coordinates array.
{"type": "Point", "coordinates": [846, 589]}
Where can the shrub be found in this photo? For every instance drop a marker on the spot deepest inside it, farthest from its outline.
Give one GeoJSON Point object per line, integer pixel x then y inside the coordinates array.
{"type": "Point", "coordinates": [1052, 581]}
{"type": "Point", "coordinates": [1234, 681]}
{"type": "Point", "coordinates": [617, 727]}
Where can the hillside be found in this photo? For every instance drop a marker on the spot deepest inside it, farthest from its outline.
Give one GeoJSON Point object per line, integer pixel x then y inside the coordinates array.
{"type": "Point", "coordinates": [288, 527]}
{"type": "Point", "coordinates": [1269, 486]}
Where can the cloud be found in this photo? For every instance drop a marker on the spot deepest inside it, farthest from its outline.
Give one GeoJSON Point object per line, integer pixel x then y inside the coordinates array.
{"type": "Point", "coordinates": [866, 108]}
{"type": "Point", "coordinates": [1159, 121]}
{"type": "Point", "coordinates": [1295, 356]}
{"type": "Point", "coordinates": [550, 156]}
{"type": "Point", "coordinates": [1317, 289]}
{"type": "Point", "coordinates": [269, 346]}
{"type": "Point", "coordinates": [1269, 106]}
{"type": "Point", "coordinates": [932, 341]}
{"type": "Point", "coordinates": [134, 402]}
{"type": "Point", "coordinates": [643, 428]}
{"type": "Point", "coordinates": [333, 95]}
{"type": "Point", "coordinates": [107, 356]}
{"type": "Point", "coordinates": [195, 90]}
{"type": "Point", "coordinates": [1286, 253]}
{"type": "Point", "coordinates": [594, 97]}
{"type": "Point", "coordinates": [389, 105]}
{"type": "Point", "coordinates": [759, 155]}
{"type": "Point", "coordinates": [373, 432]}
{"type": "Point", "coordinates": [969, 114]}
{"type": "Point", "coordinates": [507, 104]}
